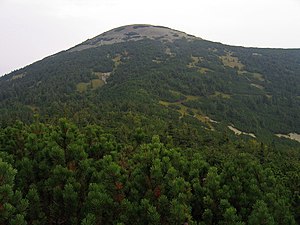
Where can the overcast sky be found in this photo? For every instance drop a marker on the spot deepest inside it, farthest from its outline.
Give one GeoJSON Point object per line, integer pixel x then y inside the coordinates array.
{"type": "Point", "coordinates": [34, 29]}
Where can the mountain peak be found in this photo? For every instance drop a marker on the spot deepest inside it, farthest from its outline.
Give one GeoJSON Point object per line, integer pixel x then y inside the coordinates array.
{"type": "Point", "coordinates": [134, 32]}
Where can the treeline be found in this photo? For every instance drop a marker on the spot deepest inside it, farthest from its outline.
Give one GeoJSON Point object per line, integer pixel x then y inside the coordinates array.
{"type": "Point", "coordinates": [63, 174]}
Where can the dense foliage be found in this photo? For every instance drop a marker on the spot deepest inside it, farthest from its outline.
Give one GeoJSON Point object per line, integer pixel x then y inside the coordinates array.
{"type": "Point", "coordinates": [256, 90]}
{"type": "Point", "coordinates": [68, 175]}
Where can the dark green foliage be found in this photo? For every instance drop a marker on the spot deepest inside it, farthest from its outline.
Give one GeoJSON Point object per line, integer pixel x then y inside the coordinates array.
{"type": "Point", "coordinates": [74, 175]}
{"type": "Point", "coordinates": [261, 97]}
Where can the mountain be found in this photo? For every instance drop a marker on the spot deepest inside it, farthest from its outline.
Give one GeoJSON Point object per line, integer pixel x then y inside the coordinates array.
{"type": "Point", "coordinates": [248, 89]}
{"type": "Point", "coordinates": [144, 124]}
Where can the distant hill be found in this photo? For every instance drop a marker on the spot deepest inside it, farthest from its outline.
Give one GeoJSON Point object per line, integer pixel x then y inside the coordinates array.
{"type": "Point", "coordinates": [158, 72]}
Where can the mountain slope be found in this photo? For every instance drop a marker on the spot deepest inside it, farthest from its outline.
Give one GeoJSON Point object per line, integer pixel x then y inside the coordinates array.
{"type": "Point", "coordinates": [157, 72]}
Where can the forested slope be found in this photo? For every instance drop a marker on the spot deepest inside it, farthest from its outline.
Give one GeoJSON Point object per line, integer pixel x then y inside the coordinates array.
{"type": "Point", "coordinates": [66, 175]}
{"type": "Point", "coordinates": [255, 90]}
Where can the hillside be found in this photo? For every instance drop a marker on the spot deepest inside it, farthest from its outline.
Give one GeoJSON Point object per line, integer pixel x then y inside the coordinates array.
{"type": "Point", "coordinates": [148, 125]}
{"type": "Point", "coordinates": [254, 90]}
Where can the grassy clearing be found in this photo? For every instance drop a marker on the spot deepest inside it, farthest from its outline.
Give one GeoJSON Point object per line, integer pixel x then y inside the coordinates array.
{"type": "Point", "coordinates": [205, 119]}
{"type": "Point", "coordinates": [102, 76]}
{"type": "Point", "coordinates": [18, 76]}
{"type": "Point", "coordinates": [195, 61]}
{"type": "Point", "coordinates": [204, 70]}
{"type": "Point", "coordinates": [117, 60]}
{"type": "Point", "coordinates": [258, 76]}
{"type": "Point", "coordinates": [194, 64]}
{"type": "Point", "coordinates": [82, 87]}
{"type": "Point", "coordinates": [183, 110]}
{"type": "Point", "coordinates": [231, 61]}
{"type": "Point", "coordinates": [164, 103]}
{"type": "Point", "coordinates": [191, 98]}
{"type": "Point", "coordinates": [96, 83]}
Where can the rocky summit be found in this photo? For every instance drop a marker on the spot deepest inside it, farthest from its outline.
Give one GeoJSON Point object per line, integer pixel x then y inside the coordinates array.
{"type": "Point", "coordinates": [134, 33]}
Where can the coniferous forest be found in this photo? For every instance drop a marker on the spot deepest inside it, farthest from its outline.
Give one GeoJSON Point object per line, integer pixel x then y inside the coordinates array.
{"type": "Point", "coordinates": [63, 174]}
{"type": "Point", "coordinates": [144, 132]}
